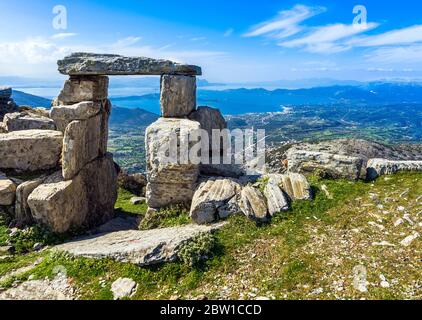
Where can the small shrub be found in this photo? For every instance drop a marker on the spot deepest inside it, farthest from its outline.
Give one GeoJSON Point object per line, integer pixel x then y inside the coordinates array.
{"type": "Point", "coordinates": [176, 215]}
{"type": "Point", "coordinates": [263, 182]}
{"type": "Point", "coordinates": [24, 240]}
{"type": "Point", "coordinates": [198, 249]}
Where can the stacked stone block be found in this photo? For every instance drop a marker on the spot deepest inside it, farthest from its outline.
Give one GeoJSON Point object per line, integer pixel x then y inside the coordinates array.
{"type": "Point", "coordinates": [83, 193]}
{"type": "Point", "coordinates": [172, 183]}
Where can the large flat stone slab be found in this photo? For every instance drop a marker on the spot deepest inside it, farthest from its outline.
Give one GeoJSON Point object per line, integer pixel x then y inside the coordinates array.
{"type": "Point", "coordinates": [138, 247]}
{"type": "Point", "coordinates": [30, 150]}
{"type": "Point", "coordinates": [109, 64]}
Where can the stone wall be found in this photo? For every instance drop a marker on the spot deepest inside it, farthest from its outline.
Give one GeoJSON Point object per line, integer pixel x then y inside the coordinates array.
{"type": "Point", "coordinates": [57, 171]}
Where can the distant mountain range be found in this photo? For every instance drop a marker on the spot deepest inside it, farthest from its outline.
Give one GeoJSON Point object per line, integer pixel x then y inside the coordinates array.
{"type": "Point", "coordinates": [240, 101]}
{"type": "Point", "coordinates": [25, 99]}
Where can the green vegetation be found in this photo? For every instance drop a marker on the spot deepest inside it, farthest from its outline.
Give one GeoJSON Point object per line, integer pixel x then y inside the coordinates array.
{"type": "Point", "coordinates": [197, 250]}
{"type": "Point", "coordinates": [124, 206]}
{"type": "Point", "coordinates": [167, 217]}
{"type": "Point", "coordinates": [24, 240]}
{"type": "Point", "coordinates": [309, 252]}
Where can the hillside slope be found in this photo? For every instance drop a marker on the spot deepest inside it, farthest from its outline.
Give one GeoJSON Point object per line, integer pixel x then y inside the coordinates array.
{"type": "Point", "coordinates": [351, 242]}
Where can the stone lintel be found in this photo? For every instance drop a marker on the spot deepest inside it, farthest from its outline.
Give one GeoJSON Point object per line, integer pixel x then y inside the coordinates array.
{"type": "Point", "coordinates": [85, 64]}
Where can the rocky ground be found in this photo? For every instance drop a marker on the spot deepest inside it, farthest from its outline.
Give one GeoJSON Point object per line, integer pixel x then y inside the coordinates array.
{"type": "Point", "coordinates": [356, 240]}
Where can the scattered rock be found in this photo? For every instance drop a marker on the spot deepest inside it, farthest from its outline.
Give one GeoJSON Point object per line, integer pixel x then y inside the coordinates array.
{"type": "Point", "coordinates": [380, 167]}
{"type": "Point", "coordinates": [295, 185]}
{"type": "Point", "coordinates": [138, 247]}
{"type": "Point", "coordinates": [211, 197]}
{"type": "Point", "coordinates": [384, 283]}
{"type": "Point", "coordinates": [56, 289]}
{"type": "Point", "coordinates": [38, 246]}
{"type": "Point", "coordinates": [123, 288]}
{"type": "Point", "coordinates": [7, 192]}
{"type": "Point", "coordinates": [253, 204]}
{"type": "Point", "coordinates": [276, 200]}
{"type": "Point", "coordinates": [137, 200]}
{"type": "Point", "coordinates": [406, 242]}
{"type": "Point", "coordinates": [329, 165]}
{"type": "Point", "coordinates": [7, 250]}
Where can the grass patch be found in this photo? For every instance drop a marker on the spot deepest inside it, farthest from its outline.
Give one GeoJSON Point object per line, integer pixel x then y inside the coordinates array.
{"type": "Point", "coordinates": [124, 206]}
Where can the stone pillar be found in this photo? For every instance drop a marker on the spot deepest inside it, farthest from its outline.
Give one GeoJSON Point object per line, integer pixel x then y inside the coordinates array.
{"type": "Point", "coordinates": [84, 192]}
{"type": "Point", "coordinates": [175, 182]}
{"type": "Point", "coordinates": [178, 96]}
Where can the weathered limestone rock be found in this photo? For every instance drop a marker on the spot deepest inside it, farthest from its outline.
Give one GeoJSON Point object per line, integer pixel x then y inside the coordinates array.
{"type": "Point", "coordinates": [79, 89]}
{"type": "Point", "coordinates": [160, 195]}
{"type": "Point", "coordinates": [108, 64]}
{"type": "Point", "coordinates": [210, 119]}
{"type": "Point", "coordinates": [123, 288]}
{"type": "Point", "coordinates": [18, 121]}
{"type": "Point", "coordinates": [137, 200]}
{"type": "Point", "coordinates": [7, 191]}
{"type": "Point", "coordinates": [105, 116]}
{"type": "Point", "coordinates": [7, 105]}
{"type": "Point", "coordinates": [222, 170]}
{"type": "Point", "coordinates": [59, 204]}
{"type": "Point", "coordinates": [23, 214]}
{"type": "Point", "coordinates": [138, 247]}
{"type": "Point", "coordinates": [178, 96]}
{"type": "Point", "coordinates": [100, 186]}
{"type": "Point", "coordinates": [63, 115]}
{"type": "Point", "coordinates": [170, 180]}
{"type": "Point", "coordinates": [81, 145]}
{"type": "Point", "coordinates": [211, 197]}
{"type": "Point", "coordinates": [30, 150]}
{"type": "Point", "coordinates": [135, 183]}
{"type": "Point", "coordinates": [85, 201]}
{"type": "Point", "coordinates": [253, 204]}
{"type": "Point", "coordinates": [57, 289]}
{"type": "Point", "coordinates": [331, 165]}
{"type": "Point", "coordinates": [3, 127]}
{"type": "Point", "coordinates": [295, 185]}
{"type": "Point", "coordinates": [379, 167]}
{"type": "Point", "coordinates": [276, 200]}
{"type": "Point", "coordinates": [159, 137]}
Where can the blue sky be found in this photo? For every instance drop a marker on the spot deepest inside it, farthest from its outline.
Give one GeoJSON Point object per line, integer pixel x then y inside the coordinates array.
{"type": "Point", "coordinates": [234, 41]}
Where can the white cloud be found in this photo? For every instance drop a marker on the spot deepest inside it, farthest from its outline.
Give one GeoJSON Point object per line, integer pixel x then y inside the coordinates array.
{"type": "Point", "coordinates": [228, 32]}
{"type": "Point", "coordinates": [198, 39]}
{"type": "Point", "coordinates": [31, 51]}
{"type": "Point", "coordinates": [126, 42]}
{"type": "Point", "coordinates": [63, 35]}
{"type": "Point", "coordinates": [286, 23]}
{"type": "Point", "coordinates": [395, 37]}
{"type": "Point", "coordinates": [399, 55]}
{"type": "Point", "coordinates": [38, 56]}
{"type": "Point", "coordinates": [327, 39]}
